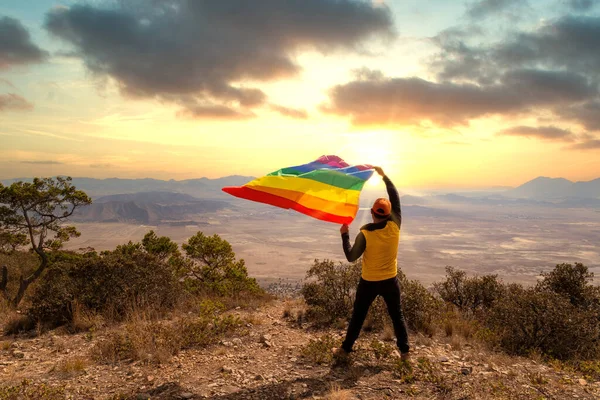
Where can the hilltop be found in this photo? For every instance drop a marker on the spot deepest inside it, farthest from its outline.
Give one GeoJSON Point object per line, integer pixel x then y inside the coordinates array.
{"type": "Point", "coordinates": [271, 361]}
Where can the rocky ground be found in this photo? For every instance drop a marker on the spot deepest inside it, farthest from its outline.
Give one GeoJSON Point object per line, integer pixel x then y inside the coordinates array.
{"type": "Point", "coordinates": [277, 360]}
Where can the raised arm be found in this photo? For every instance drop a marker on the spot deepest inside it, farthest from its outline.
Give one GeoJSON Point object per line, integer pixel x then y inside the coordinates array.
{"type": "Point", "coordinates": [392, 195]}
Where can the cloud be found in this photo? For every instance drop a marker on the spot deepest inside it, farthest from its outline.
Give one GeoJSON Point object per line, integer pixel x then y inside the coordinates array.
{"type": "Point", "coordinates": [42, 162]}
{"type": "Point", "coordinates": [590, 144]}
{"type": "Point", "coordinates": [562, 56]}
{"type": "Point", "coordinates": [376, 100]}
{"type": "Point", "coordinates": [13, 101]}
{"type": "Point", "coordinates": [541, 132]}
{"type": "Point", "coordinates": [587, 114]}
{"type": "Point", "coordinates": [581, 5]}
{"type": "Point", "coordinates": [101, 166]}
{"type": "Point", "coordinates": [196, 53]}
{"type": "Point", "coordinates": [571, 43]}
{"type": "Point", "coordinates": [290, 112]}
{"type": "Point", "coordinates": [483, 8]}
{"type": "Point", "coordinates": [214, 112]}
{"type": "Point", "coordinates": [16, 47]}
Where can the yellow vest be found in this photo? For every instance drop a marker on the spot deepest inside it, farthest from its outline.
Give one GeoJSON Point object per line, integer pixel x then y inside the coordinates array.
{"type": "Point", "coordinates": [379, 259]}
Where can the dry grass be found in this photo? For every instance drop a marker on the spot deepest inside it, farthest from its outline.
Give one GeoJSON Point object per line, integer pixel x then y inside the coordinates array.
{"type": "Point", "coordinates": [388, 334]}
{"type": "Point", "coordinates": [146, 338]}
{"type": "Point", "coordinates": [72, 366]}
{"type": "Point", "coordinates": [336, 393]}
{"type": "Point", "coordinates": [85, 320]}
{"type": "Point", "coordinates": [15, 323]}
{"type": "Point", "coordinates": [255, 319]}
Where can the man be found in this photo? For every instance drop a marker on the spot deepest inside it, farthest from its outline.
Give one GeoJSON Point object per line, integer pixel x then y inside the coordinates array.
{"type": "Point", "coordinates": [377, 243]}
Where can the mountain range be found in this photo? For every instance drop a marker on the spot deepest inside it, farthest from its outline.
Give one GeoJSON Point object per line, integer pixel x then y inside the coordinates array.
{"type": "Point", "coordinates": [204, 188]}
{"type": "Point", "coordinates": [148, 208]}
{"type": "Point", "coordinates": [543, 188]}
{"type": "Point", "coordinates": [154, 201]}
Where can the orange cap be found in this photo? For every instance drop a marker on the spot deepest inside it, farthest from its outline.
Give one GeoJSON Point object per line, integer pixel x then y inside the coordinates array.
{"type": "Point", "coordinates": [382, 207]}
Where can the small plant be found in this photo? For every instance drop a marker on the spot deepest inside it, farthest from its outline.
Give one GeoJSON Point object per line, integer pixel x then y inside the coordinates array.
{"type": "Point", "coordinates": [337, 393]}
{"type": "Point", "coordinates": [403, 370]}
{"type": "Point", "coordinates": [590, 369]}
{"type": "Point", "coordinates": [319, 351]}
{"type": "Point", "coordinates": [380, 349]}
{"type": "Point", "coordinates": [536, 378]}
{"type": "Point", "coordinates": [72, 366]}
{"type": "Point", "coordinates": [27, 390]}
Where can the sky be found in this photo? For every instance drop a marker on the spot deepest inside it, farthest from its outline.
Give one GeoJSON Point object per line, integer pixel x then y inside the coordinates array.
{"type": "Point", "coordinates": [440, 94]}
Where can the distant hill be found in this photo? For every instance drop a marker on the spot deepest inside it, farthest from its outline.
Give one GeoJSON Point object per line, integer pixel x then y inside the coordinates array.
{"type": "Point", "coordinates": [147, 208]}
{"type": "Point", "coordinates": [543, 188]}
{"type": "Point", "coordinates": [204, 188]}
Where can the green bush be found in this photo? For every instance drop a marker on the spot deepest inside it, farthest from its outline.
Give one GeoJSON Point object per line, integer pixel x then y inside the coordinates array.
{"type": "Point", "coordinates": [331, 289]}
{"type": "Point", "coordinates": [529, 319]}
{"type": "Point", "coordinates": [115, 282]}
{"type": "Point", "coordinates": [469, 294]}
{"type": "Point", "coordinates": [319, 351]}
{"type": "Point", "coordinates": [421, 309]}
{"type": "Point", "coordinates": [572, 282]}
{"type": "Point", "coordinates": [213, 269]}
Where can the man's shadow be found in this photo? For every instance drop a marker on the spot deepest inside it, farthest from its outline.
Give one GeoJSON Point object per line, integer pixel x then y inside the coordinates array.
{"type": "Point", "coordinates": [340, 376]}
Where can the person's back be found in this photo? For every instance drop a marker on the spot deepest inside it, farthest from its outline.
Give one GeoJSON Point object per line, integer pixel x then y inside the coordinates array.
{"type": "Point", "coordinates": [379, 258]}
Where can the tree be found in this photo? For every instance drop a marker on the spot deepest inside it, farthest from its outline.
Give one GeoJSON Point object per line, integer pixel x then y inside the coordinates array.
{"type": "Point", "coordinates": [162, 247]}
{"type": "Point", "coordinates": [38, 210]}
{"type": "Point", "coordinates": [571, 281]}
{"type": "Point", "coordinates": [215, 268]}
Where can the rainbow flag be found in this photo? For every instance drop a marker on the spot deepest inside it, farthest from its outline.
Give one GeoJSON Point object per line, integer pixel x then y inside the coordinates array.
{"type": "Point", "coordinates": [327, 189]}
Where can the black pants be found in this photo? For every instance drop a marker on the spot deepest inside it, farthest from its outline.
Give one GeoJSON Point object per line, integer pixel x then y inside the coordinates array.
{"type": "Point", "coordinates": [366, 293]}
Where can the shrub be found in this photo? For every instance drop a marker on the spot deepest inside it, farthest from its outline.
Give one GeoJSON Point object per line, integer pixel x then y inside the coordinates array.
{"type": "Point", "coordinates": [213, 268]}
{"type": "Point", "coordinates": [115, 282]}
{"type": "Point", "coordinates": [421, 308]}
{"type": "Point", "coordinates": [572, 282]}
{"type": "Point", "coordinates": [330, 295]}
{"type": "Point", "coordinates": [319, 350]}
{"type": "Point", "coordinates": [469, 295]}
{"type": "Point", "coordinates": [529, 319]}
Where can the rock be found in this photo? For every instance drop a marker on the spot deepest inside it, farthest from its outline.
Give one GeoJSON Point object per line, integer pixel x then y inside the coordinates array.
{"type": "Point", "coordinates": [237, 342]}
{"type": "Point", "coordinates": [582, 382]}
{"type": "Point", "coordinates": [466, 371]}
{"type": "Point", "coordinates": [150, 378]}
{"type": "Point", "coordinates": [227, 370]}
{"type": "Point", "coordinates": [259, 378]}
{"type": "Point", "coordinates": [18, 354]}
{"type": "Point", "coordinates": [227, 344]}
{"type": "Point", "coordinates": [443, 359]}
{"type": "Point", "coordinates": [186, 395]}
{"type": "Point", "coordinates": [265, 338]}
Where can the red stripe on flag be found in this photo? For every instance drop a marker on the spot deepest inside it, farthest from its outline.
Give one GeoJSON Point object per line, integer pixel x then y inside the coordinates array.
{"type": "Point", "coordinates": [264, 197]}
